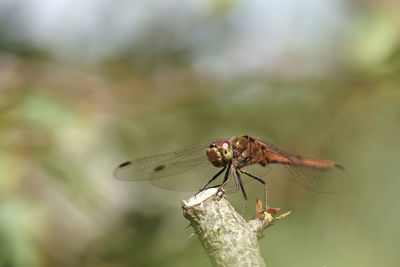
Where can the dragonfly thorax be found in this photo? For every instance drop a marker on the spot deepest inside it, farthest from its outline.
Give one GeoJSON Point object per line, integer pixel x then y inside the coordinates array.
{"type": "Point", "coordinates": [219, 152]}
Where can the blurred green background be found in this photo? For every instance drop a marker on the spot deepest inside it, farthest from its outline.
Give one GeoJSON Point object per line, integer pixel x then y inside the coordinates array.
{"type": "Point", "coordinates": [86, 86]}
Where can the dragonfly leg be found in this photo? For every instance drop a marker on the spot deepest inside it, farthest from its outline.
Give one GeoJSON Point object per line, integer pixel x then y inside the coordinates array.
{"type": "Point", "coordinates": [214, 177]}
{"type": "Point", "coordinates": [237, 176]}
{"type": "Point", "coordinates": [227, 175]}
{"type": "Point", "coordinates": [226, 178]}
{"type": "Point", "coordinates": [261, 181]}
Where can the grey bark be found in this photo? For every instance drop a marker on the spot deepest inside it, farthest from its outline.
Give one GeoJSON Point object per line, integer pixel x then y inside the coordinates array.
{"type": "Point", "coordinates": [227, 238]}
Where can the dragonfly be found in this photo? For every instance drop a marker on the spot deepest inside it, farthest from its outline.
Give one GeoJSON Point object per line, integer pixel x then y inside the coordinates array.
{"type": "Point", "coordinates": [189, 168]}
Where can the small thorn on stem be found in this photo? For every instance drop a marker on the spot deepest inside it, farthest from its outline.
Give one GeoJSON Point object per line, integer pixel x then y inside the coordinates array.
{"type": "Point", "coordinates": [190, 236]}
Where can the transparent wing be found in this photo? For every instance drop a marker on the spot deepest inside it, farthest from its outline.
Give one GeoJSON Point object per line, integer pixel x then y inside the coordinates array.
{"type": "Point", "coordinates": [320, 180]}
{"type": "Point", "coordinates": [161, 165]}
{"type": "Point", "coordinates": [332, 180]}
{"type": "Point", "coordinates": [183, 170]}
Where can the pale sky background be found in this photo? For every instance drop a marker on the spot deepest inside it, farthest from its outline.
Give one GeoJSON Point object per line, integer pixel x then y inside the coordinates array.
{"type": "Point", "coordinates": [249, 36]}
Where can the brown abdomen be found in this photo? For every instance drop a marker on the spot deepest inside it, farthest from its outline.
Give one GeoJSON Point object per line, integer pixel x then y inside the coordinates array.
{"type": "Point", "coordinates": [273, 157]}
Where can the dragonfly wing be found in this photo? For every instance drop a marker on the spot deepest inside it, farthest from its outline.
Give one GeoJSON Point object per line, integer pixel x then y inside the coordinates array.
{"type": "Point", "coordinates": [161, 165]}
{"type": "Point", "coordinates": [183, 170]}
{"type": "Point", "coordinates": [332, 180]}
{"type": "Point", "coordinates": [317, 179]}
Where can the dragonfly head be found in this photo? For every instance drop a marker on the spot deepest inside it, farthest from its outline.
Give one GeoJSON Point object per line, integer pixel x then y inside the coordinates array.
{"type": "Point", "coordinates": [219, 152]}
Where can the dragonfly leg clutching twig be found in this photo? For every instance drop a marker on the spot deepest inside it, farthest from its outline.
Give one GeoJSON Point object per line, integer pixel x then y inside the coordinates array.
{"type": "Point", "coordinates": [215, 177]}
{"type": "Point", "coordinates": [243, 191]}
{"type": "Point", "coordinates": [261, 181]}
